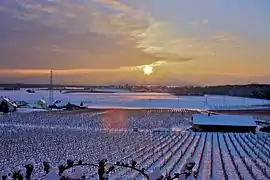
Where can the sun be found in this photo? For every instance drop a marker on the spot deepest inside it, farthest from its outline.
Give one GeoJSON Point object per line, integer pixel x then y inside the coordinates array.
{"type": "Point", "coordinates": [147, 70]}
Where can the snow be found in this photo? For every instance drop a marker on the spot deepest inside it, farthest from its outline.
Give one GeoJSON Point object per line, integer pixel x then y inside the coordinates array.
{"type": "Point", "coordinates": [10, 104]}
{"type": "Point", "coordinates": [155, 174]}
{"type": "Point", "coordinates": [52, 176]}
{"type": "Point", "coordinates": [28, 110]}
{"type": "Point", "coordinates": [217, 166]}
{"type": "Point", "coordinates": [229, 168]}
{"type": "Point", "coordinates": [223, 120]}
{"type": "Point", "coordinates": [152, 151]}
{"type": "Point", "coordinates": [161, 129]}
{"type": "Point", "coordinates": [139, 100]}
{"type": "Point", "coordinates": [184, 155]}
{"type": "Point", "coordinates": [91, 136]}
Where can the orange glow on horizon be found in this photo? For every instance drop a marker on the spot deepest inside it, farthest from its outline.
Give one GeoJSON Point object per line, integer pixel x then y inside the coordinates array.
{"type": "Point", "coordinates": [59, 71]}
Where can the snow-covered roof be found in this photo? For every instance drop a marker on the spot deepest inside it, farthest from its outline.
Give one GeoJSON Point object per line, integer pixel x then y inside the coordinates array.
{"type": "Point", "coordinates": [223, 120]}
{"type": "Point", "coordinates": [7, 100]}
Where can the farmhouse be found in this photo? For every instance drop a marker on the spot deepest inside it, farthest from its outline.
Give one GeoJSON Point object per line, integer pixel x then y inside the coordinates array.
{"type": "Point", "coordinates": [6, 105]}
{"type": "Point", "coordinates": [223, 123]}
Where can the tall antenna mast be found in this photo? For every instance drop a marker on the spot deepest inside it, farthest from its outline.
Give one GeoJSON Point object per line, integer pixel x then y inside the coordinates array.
{"type": "Point", "coordinates": [51, 88]}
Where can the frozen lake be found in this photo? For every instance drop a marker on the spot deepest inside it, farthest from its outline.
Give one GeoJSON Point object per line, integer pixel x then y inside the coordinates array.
{"type": "Point", "coordinates": [139, 100]}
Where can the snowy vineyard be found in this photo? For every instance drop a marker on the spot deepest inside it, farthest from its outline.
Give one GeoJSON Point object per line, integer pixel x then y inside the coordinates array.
{"type": "Point", "coordinates": [56, 137]}
{"type": "Point", "coordinates": [217, 155]}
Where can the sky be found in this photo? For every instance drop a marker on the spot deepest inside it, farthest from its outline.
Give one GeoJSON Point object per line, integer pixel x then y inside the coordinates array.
{"type": "Point", "coordinates": [185, 42]}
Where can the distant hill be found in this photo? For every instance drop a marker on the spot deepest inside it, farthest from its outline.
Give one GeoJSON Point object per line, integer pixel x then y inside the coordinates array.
{"type": "Point", "coordinates": [261, 91]}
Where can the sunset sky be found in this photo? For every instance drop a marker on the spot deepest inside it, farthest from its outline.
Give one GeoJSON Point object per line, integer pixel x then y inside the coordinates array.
{"type": "Point", "coordinates": [111, 41]}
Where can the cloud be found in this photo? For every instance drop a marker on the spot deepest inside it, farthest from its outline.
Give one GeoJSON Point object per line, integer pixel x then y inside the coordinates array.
{"type": "Point", "coordinates": [157, 63]}
{"type": "Point", "coordinates": [46, 34]}
{"type": "Point", "coordinates": [57, 29]}
{"type": "Point", "coordinates": [224, 37]}
{"type": "Point", "coordinates": [140, 30]}
{"type": "Point", "coordinates": [58, 71]}
{"type": "Point", "coordinates": [204, 22]}
{"type": "Point", "coordinates": [108, 36]}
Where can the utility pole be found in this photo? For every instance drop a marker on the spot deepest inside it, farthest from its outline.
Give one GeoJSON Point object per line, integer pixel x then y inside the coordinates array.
{"type": "Point", "coordinates": [51, 88]}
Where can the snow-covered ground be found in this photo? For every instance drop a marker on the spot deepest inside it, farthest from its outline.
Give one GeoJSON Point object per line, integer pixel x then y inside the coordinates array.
{"type": "Point", "coordinates": [140, 100]}
{"type": "Point", "coordinates": [92, 136]}
{"type": "Point", "coordinates": [87, 136]}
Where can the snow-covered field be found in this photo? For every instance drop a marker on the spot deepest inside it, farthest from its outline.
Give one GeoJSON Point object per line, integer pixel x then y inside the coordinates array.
{"type": "Point", "coordinates": [140, 100]}
{"type": "Point", "coordinates": [92, 136]}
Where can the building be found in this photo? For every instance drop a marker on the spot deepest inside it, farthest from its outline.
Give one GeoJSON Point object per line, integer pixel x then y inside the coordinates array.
{"type": "Point", "coordinates": [223, 123]}
{"type": "Point", "coordinates": [6, 105]}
